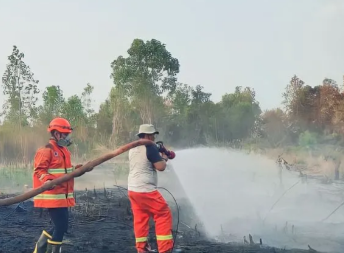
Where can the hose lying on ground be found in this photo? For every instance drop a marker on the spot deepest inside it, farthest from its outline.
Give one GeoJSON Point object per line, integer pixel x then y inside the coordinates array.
{"type": "Point", "coordinates": [291, 187]}
{"type": "Point", "coordinates": [332, 212]}
{"type": "Point", "coordinates": [175, 201]}
{"type": "Point", "coordinates": [75, 173]}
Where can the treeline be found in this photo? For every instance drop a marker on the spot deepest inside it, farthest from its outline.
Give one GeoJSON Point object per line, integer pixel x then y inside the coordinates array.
{"type": "Point", "coordinates": [146, 90]}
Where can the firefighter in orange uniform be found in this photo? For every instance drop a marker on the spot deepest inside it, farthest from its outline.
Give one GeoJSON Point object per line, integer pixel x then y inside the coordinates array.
{"type": "Point", "coordinates": [50, 162]}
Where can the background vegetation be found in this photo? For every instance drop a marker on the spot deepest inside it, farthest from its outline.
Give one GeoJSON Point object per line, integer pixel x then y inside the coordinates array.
{"type": "Point", "coordinates": [146, 90]}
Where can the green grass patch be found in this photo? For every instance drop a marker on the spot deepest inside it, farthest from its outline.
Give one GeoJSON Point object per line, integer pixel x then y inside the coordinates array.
{"type": "Point", "coordinates": [14, 179]}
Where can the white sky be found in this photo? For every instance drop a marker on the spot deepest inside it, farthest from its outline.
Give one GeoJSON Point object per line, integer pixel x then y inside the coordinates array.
{"type": "Point", "coordinates": [220, 44]}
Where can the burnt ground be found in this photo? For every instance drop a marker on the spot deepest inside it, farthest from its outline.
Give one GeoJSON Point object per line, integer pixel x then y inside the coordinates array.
{"type": "Point", "coordinates": [102, 223]}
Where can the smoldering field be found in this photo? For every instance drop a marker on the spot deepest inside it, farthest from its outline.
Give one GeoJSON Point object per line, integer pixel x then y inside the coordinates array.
{"type": "Point", "coordinates": [233, 193]}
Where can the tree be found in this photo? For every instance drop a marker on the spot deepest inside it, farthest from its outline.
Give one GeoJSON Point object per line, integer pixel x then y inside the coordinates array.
{"type": "Point", "coordinates": [300, 102]}
{"type": "Point", "coordinates": [291, 95]}
{"type": "Point", "coordinates": [239, 113]}
{"type": "Point", "coordinates": [199, 115]}
{"type": "Point", "coordinates": [177, 105]}
{"type": "Point", "coordinates": [180, 99]}
{"type": "Point", "coordinates": [190, 111]}
{"type": "Point", "coordinates": [146, 90]}
{"type": "Point", "coordinates": [275, 128]}
{"type": "Point", "coordinates": [87, 105]}
{"type": "Point", "coordinates": [148, 72]}
{"type": "Point", "coordinates": [86, 99]}
{"type": "Point", "coordinates": [73, 110]}
{"type": "Point", "coordinates": [123, 117]}
{"type": "Point", "coordinates": [21, 90]}
{"type": "Point", "coordinates": [313, 108]}
{"type": "Point", "coordinates": [104, 119]}
{"type": "Point", "coordinates": [53, 102]}
{"type": "Point", "coordinates": [330, 99]}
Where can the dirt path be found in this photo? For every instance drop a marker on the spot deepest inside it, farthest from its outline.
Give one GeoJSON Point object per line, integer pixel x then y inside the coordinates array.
{"type": "Point", "coordinates": [101, 222]}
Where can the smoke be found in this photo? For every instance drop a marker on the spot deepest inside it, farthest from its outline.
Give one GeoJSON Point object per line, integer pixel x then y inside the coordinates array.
{"type": "Point", "coordinates": [235, 191]}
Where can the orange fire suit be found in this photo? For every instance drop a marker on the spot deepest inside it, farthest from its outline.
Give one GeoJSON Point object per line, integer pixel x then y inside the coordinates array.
{"type": "Point", "coordinates": [51, 162]}
{"type": "Point", "coordinates": [145, 205]}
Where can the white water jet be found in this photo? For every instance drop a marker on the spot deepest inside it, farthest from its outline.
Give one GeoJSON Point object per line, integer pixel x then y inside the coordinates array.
{"type": "Point", "coordinates": [236, 191]}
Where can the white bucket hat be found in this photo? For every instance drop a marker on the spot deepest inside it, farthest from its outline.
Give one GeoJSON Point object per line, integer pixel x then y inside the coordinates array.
{"type": "Point", "coordinates": [147, 129]}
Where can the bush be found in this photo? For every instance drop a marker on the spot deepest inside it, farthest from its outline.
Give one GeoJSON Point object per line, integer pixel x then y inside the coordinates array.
{"type": "Point", "coordinates": [308, 139]}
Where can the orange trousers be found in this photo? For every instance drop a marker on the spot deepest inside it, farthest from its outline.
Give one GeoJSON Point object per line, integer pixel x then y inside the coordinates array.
{"type": "Point", "coordinates": [151, 204]}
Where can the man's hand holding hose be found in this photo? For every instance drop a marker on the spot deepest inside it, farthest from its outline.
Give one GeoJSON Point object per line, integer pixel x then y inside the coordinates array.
{"type": "Point", "coordinates": [48, 181]}
{"type": "Point", "coordinates": [78, 166]}
{"type": "Point", "coordinates": [165, 153]}
{"type": "Point", "coordinates": [164, 156]}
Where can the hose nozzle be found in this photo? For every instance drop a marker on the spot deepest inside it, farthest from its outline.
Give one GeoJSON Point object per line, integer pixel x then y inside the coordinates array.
{"type": "Point", "coordinates": [169, 153]}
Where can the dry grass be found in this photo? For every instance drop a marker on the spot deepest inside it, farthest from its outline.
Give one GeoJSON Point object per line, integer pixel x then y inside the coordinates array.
{"type": "Point", "coordinates": [313, 164]}
{"type": "Point", "coordinates": [18, 145]}
{"type": "Point", "coordinates": [102, 149]}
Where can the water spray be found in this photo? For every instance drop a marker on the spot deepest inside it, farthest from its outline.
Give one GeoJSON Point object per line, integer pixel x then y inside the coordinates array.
{"type": "Point", "coordinates": [272, 207]}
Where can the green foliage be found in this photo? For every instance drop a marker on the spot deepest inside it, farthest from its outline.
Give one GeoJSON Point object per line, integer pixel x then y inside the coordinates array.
{"type": "Point", "coordinates": [308, 139]}
{"type": "Point", "coordinates": [14, 178]}
{"type": "Point", "coordinates": [146, 90]}
{"type": "Point", "coordinates": [144, 75]}
{"type": "Point", "coordinates": [239, 112]}
{"type": "Point", "coordinates": [149, 67]}
{"type": "Point", "coordinates": [104, 118]}
{"type": "Point", "coordinates": [275, 128]}
{"type": "Point", "coordinates": [87, 101]}
{"type": "Point", "coordinates": [20, 88]}
{"type": "Point", "coordinates": [53, 102]}
{"type": "Point", "coordinates": [73, 110]}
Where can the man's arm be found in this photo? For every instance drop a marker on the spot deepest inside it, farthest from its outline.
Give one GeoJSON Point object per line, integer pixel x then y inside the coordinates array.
{"type": "Point", "coordinates": [41, 165]}
{"type": "Point", "coordinates": [154, 157]}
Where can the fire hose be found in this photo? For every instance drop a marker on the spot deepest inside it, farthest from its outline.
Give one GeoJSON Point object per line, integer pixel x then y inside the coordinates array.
{"type": "Point", "coordinates": [76, 173]}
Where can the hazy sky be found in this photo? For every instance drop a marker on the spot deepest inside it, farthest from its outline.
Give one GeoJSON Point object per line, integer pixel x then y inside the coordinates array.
{"type": "Point", "coordinates": [220, 44]}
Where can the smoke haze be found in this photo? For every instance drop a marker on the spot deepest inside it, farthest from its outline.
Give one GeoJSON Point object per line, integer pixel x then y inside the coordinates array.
{"type": "Point", "coordinates": [236, 191]}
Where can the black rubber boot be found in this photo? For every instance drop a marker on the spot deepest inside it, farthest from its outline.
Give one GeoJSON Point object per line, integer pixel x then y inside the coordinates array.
{"type": "Point", "coordinates": [41, 245]}
{"type": "Point", "coordinates": [54, 247]}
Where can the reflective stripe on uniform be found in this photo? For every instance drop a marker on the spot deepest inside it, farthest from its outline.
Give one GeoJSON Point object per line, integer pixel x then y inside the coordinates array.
{"type": "Point", "coordinates": [164, 237]}
{"type": "Point", "coordinates": [54, 196]}
{"type": "Point", "coordinates": [47, 234]}
{"type": "Point", "coordinates": [60, 171]}
{"type": "Point", "coordinates": [54, 242]}
{"type": "Point", "coordinates": [141, 239]}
